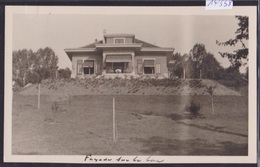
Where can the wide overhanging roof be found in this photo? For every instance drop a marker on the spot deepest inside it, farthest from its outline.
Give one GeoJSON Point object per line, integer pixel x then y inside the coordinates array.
{"type": "Point", "coordinates": [138, 45]}
{"type": "Point", "coordinates": [70, 51]}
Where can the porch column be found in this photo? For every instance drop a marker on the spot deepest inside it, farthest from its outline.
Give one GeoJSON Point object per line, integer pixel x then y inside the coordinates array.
{"type": "Point", "coordinates": [104, 64]}
{"type": "Point", "coordinates": [133, 64]}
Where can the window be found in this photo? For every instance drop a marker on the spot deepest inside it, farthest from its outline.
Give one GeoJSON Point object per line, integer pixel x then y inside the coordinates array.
{"type": "Point", "coordinates": [119, 40]}
{"type": "Point", "coordinates": [79, 67]}
{"type": "Point", "coordinates": [149, 67]}
{"type": "Point", "coordinates": [88, 67]}
{"type": "Point", "coordinates": [119, 63]}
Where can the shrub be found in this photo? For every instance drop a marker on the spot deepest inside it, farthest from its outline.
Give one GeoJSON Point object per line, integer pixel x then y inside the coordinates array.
{"type": "Point", "coordinates": [93, 77]}
{"type": "Point", "coordinates": [193, 108]}
{"type": "Point", "coordinates": [232, 78]}
{"type": "Point", "coordinates": [19, 82]}
{"type": "Point", "coordinates": [64, 73]}
{"type": "Point", "coordinates": [147, 77]}
{"type": "Point", "coordinates": [32, 77]}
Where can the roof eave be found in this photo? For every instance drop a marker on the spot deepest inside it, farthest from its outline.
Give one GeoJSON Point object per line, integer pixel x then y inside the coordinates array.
{"type": "Point", "coordinates": [80, 50]}
{"type": "Point", "coordinates": [118, 35]}
{"type": "Point", "coordinates": [118, 45]}
{"type": "Point", "coordinates": [157, 50]}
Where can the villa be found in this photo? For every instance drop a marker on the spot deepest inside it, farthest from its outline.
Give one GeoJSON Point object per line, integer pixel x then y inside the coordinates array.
{"type": "Point", "coordinates": [119, 54]}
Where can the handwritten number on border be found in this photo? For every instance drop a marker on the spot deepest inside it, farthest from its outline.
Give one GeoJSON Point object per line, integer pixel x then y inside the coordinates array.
{"type": "Point", "coordinates": [219, 4]}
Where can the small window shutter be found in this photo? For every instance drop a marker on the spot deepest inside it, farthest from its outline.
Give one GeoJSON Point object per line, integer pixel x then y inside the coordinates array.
{"type": "Point", "coordinates": [139, 66]}
{"type": "Point", "coordinates": [95, 69]}
{"type": "Point", "coordinates": [158, 66]}
{"type": "Point", "coordinates": [79, 67]}
{"type": "Point", "coordinates": [98, 68]}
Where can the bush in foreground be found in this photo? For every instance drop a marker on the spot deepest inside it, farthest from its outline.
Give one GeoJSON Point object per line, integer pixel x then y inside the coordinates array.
{"type": "Point", "coordinates": [193, 108]}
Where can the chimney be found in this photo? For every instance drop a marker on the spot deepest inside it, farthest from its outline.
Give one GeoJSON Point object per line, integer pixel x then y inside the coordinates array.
{"type": "Point", "coordinates": [104, 33]}
{"type": "Point", "coordinates": [96, 41]}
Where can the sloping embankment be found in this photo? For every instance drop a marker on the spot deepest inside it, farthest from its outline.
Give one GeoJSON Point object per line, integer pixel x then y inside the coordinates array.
{"type": "Point", "coordinates": [65, 87]}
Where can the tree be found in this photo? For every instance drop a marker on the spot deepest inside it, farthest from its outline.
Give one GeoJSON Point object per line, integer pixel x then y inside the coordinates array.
{"type": "Point", "coordinates": [22, 61]}
{"type": "Point", "coordinates": [197, 53]}
{"type": "Point", "coordinates": [241, 35]}
{"type": "Point", "coordinates": [177, 67]}
{"type": "Point", "coordinates": [231, 77]}
{"type": "Point", "coordinates": [47, 63]}
{"type": "Point", "coordinates": [210, 67]}
{"type": "Point", "coordinates": [246, 74]}
{"type": "Point", "coordinates": [29, 66]}
{"type": "Point", "coordinates": [189, 67]}
{"type": "Point", "coordinates": [211, 90]}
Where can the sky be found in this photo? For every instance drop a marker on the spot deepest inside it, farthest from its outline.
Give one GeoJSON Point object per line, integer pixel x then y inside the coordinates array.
{"type": "Point", "coordinates": [181, 32]}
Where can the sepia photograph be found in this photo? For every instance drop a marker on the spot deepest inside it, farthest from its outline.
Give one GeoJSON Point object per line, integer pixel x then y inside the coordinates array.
{"type": "Point", "coordinates": [130, 85]}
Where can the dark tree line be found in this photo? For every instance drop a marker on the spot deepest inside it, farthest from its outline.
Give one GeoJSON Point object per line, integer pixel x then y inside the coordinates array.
{"type": "Point", "coordinates": [197, 64]}
{"type": "Point", "coordinates": [33, 67]}
{"type": "Point", "coordinates": [201, 64]}
{"type": "Point", "coordinates": [64, 73]}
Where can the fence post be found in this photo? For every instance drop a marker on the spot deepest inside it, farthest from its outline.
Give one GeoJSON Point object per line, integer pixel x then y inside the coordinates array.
{"type": "Point", "coordinates": [39, 95]}
{"type": "Point", "coordinates": [114, 120]}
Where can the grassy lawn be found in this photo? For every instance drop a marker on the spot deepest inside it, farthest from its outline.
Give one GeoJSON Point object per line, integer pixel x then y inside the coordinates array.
{"type": "Point", "coordinates": [146, 125]}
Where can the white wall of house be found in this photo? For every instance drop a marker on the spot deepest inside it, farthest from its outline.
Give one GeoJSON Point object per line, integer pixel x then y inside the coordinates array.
{"type": "Point", "coordinates": [160, 62]}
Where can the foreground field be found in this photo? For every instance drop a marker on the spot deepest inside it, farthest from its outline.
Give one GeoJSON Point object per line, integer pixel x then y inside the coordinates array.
{"type": "Point", "coordinates": [146, 125]}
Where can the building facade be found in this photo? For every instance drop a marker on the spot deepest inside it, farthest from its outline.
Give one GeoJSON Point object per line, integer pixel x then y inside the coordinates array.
{"type": "Point", "coordinates": [120, 54]}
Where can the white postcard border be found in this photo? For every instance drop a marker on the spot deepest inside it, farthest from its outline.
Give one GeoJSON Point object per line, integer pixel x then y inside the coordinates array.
{"type": "Point", "coordinates": [250, 11]}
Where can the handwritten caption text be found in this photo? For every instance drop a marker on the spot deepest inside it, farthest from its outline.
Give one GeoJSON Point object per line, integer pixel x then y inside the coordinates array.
{"type": "Point", "coordinates": [122, 159]}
